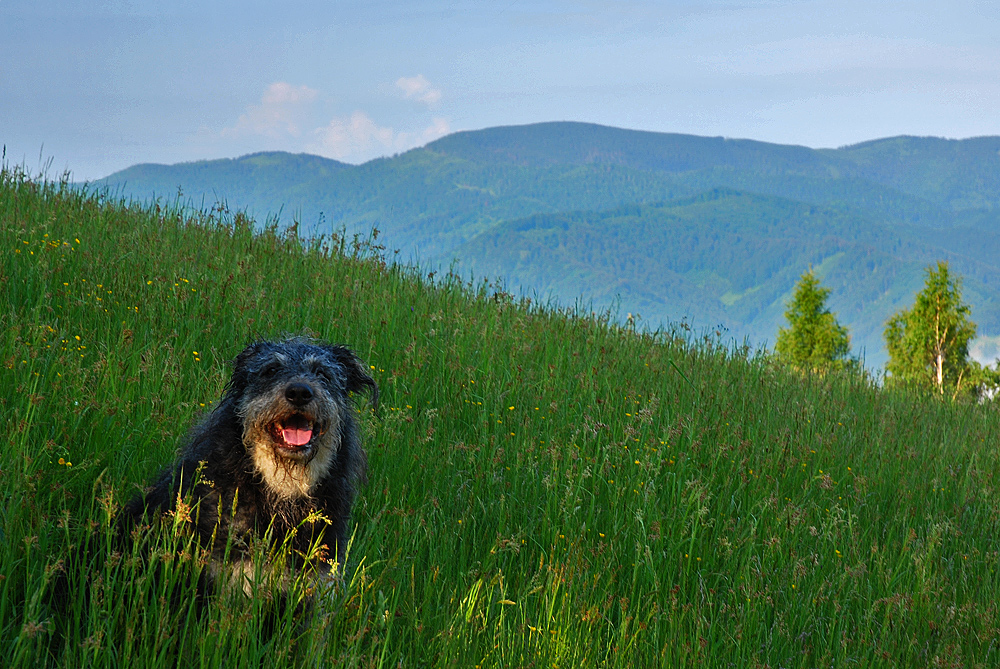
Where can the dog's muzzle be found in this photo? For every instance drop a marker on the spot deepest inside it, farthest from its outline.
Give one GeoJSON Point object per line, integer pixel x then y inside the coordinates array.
{"type": "Point", "coordinates": [294, 432]}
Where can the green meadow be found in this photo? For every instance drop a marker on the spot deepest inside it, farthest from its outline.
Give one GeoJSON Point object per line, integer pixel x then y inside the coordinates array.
{"type": "Point", "coordinates": [546, 489]}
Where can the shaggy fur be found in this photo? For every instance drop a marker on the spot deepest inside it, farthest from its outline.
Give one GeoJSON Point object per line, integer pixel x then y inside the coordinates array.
{"type": "Point", "coordinates": [278, 460]}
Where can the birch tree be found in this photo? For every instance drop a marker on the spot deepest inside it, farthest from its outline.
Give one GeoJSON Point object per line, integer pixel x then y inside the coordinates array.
{"type": "Point", "coordinates": [929, 343]}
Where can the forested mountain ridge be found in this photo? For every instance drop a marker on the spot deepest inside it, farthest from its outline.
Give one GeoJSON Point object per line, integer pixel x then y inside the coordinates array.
{"type": "Point", "coordinates": [671, 226]}
{"type": "Point", "coordinates": [960, 175]}
{"type": "Point", "coordinates": [723, 258]}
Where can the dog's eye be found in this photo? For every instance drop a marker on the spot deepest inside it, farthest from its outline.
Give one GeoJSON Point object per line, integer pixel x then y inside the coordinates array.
{"type": "Point", "coordinates": [270, 370]}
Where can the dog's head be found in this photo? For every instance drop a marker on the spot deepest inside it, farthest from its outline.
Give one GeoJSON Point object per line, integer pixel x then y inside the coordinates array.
{"type": "Point", "coordinates": [293, 398]}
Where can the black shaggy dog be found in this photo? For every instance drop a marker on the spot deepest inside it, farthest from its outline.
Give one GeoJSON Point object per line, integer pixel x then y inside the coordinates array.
{"type": "Point", "coordinates": [278, 460]}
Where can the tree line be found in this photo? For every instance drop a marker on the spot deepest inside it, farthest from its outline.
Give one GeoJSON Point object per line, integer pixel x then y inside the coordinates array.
{"type": "Point", "coordinates": [928, 343]}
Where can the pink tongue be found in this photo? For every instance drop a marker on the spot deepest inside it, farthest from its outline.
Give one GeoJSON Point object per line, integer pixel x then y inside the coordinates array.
{"type": "Point", "coordinates": [294, 436]}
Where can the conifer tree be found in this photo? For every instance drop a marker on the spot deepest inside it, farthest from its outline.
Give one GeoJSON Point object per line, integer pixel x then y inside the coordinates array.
{"type": "Point", "coordinates": [929, 343]}
{"type": "Point", "coordinates": [814, 341]}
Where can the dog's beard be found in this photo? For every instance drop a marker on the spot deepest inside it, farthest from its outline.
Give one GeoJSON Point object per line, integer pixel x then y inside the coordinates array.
{"type": "Point", "coordinates": [291, 450]}
{"type": "Point", "coordinates": [290, 474]}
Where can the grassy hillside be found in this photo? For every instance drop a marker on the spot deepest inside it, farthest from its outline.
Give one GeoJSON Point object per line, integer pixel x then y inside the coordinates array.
{"type": "Point", "coordinates": [892, 207]}
{"type": "Point", "coordinates": [545, 489]}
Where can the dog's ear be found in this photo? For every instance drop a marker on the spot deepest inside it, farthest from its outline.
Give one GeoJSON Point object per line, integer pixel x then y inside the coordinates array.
{"type": "Point", "coordinates": [357, 378]}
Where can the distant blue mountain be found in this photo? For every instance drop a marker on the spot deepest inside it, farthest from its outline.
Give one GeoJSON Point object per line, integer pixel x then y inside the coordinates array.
{"type": "Point", "coordinates": [671, 226]}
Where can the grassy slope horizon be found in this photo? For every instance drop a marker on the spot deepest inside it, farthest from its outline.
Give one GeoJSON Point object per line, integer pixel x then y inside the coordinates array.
{"type": "Point", "coordinates": [545, 489]}
{"type": "Point", "coordinates": [875, 214]}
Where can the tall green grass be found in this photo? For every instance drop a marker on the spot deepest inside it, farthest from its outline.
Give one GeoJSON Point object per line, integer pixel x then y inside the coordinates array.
{"type": "Point", "coordinates": [545, 488]}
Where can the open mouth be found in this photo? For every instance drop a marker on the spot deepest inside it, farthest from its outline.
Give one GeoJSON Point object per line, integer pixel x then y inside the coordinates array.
{"type": "Point", "coordinates": [294, 432]}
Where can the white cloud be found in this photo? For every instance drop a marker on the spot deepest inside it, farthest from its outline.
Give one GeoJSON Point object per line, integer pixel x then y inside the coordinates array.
{"type": "Point", "coordinates": [418, 88]}
{"type": "Point", "coordinates": [285, 119]}
{"type": "Point", "coordinates": [283, 93]}
{"type": "Point", "coordinates": [279, 113]}
{"type": "Point", "coordinates": [358, 134]}
{"type": "Point", "coordinates": [438, 128]}
{"type": "Point", "coordinates": [358, 138]}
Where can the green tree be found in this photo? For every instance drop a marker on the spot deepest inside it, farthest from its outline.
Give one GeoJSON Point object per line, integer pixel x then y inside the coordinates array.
{"type": "Point", "coordinates": [929, 343]}
{"type": "Point", "coordinates": [814, 341]}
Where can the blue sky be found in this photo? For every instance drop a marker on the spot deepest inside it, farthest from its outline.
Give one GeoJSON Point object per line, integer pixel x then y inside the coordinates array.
{"type": "Point", "coordinates": [100, 85]}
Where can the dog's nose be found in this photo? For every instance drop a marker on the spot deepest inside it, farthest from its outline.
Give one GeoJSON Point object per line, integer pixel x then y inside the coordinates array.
{"type": "Point", "coordinates": [298, 394]}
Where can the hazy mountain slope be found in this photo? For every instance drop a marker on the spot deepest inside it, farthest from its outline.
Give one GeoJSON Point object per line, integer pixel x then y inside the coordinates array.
{"type": "Point", "coordinates": [725, 258]}
{"type": "Point", "coordinates": [432, 199]}
{"type": "Point", "coordinates": [956, 174]}
{"type": "Point", "coordinates": [871, 216]}
{"type": "Point", "coordinates": [696, 164]}
{"type": "Point", "coordinates": [421, 200]}
{"type": "Point", "coordinates": [265, 184]}
{"type": "Point", "coordinates": [567, 143]}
